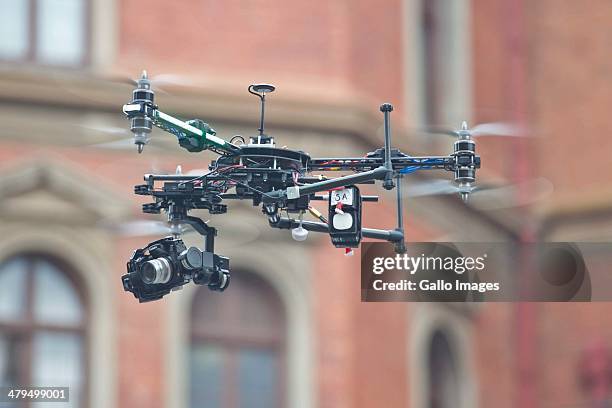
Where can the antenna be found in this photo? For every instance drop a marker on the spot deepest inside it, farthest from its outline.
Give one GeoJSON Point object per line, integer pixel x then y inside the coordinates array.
{"type": "Point", "coordinates": [386, 109]}
{"type": "Point", "coordinates": [260, 90]}
{"type": "Point", "coordinates": [400, 246]}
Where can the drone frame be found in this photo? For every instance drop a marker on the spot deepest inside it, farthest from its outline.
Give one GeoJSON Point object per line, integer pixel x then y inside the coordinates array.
{"type": "Point", "coordinates": [285, 184]}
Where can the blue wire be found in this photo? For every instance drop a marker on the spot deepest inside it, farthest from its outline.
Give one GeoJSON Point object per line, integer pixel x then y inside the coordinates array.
{"type": "Point", "coordinates": [412, 169]}
{"type": "Point", "coordinates": [409, 169]}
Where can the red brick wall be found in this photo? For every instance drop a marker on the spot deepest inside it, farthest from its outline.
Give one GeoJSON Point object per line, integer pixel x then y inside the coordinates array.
{"type": "Point", "coordinates": [568, 87]}
{"type": "Point", "coordinates": [328, 46]}
{"type": "Point", "coordinates": [571, 72]}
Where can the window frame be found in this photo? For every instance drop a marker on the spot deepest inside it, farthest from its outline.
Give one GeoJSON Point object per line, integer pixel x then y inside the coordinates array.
{"type": "Point", "coordinates": [27, 327]}
{"type": "Point", "coordinates": [232, 343]}
{"type": "Point", "coordinates": [32, 44]}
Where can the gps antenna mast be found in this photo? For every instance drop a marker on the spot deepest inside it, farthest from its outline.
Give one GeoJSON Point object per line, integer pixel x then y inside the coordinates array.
{"type": "Point", "coordinates": [260, 90]}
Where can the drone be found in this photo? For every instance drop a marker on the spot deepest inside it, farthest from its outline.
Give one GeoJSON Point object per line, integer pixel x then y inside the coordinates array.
{"type": "Point", "coordinates": [282, 181]}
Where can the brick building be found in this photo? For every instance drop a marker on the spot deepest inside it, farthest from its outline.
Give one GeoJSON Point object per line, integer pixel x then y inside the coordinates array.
{"type": "Point", "coordinates": [291, 331]}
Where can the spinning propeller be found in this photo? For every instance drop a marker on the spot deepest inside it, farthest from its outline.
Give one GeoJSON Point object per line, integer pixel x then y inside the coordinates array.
{"type": "Point", "coordinates": [160, 81]}
{"type": "Point", "coordinates": [492, 129]}
{"type": "Point", "coordinates": [150, 227]}
{"type": "Point", "coordinates": [487, 197]}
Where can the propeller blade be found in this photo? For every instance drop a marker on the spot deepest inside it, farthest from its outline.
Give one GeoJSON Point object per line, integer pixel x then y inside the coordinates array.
{"type": "Point", "coordinates": [111, 130]}
{"type": "Point", "coordinates": [498, 129]}
{"type": "Point", "coordinates": [429, 188]}
{"type": "Point", "coordinates": [122, 144]}
{"type": "Point", "coordinates": [513, 195]}
{"type": "Point", "coordinates": [505, 129]}
{"type": "Point", "coordinates": [150, 227]}
{"type": "Point", "coordinates": [438, 130]}
{"type": "Point", "coordinates": [171, 79]}
{"type": "Point", "coordinates": [158, 82]}
{"type": "Point", "coordinates": [126, 143]}
{"type": "Point", "coordinates": [134, 82]}
{"type": "Point", "coordinates": [487, 197]}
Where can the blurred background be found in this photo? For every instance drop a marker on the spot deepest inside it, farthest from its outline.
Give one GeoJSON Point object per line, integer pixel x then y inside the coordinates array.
{"type": "Point", "coordinates": [291, 330]}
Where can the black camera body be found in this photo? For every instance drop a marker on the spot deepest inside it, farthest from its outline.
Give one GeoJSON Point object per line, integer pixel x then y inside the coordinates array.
{"type": "Point", "coordinates": [167, 264]}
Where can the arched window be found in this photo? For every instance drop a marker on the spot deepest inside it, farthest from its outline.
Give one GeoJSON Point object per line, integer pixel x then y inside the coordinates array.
{"type": "Point", "coordinates": [237, 346]}
{"type": "Point", "coordinates": [442, 371]}
{"type": "Point", "coordinates": [42, 326]}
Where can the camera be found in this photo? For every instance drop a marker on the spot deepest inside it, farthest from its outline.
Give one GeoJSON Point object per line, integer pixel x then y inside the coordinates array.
{"type": "Point", "coordinates": [167, 264]}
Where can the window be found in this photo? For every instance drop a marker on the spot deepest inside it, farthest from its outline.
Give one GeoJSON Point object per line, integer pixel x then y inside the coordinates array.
{"type": "Point", "coordinates": [443, 380]}
{"type": "Point", "coordinates": [431, 54]}
{"type": "Point", "coordinates": [42, 327]}
{"type": "Point", "coordinates": [238, 345]}
{"type": "Point", "coordinates": [443, 58]}
{"type": "Point", "coordinates": [49, 32]}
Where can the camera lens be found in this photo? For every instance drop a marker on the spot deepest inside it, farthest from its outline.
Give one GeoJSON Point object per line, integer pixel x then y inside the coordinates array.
{"type": "Point", "coordinates": [191, 258]}
{"type": "Point", "coordinates": [156, 271]}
